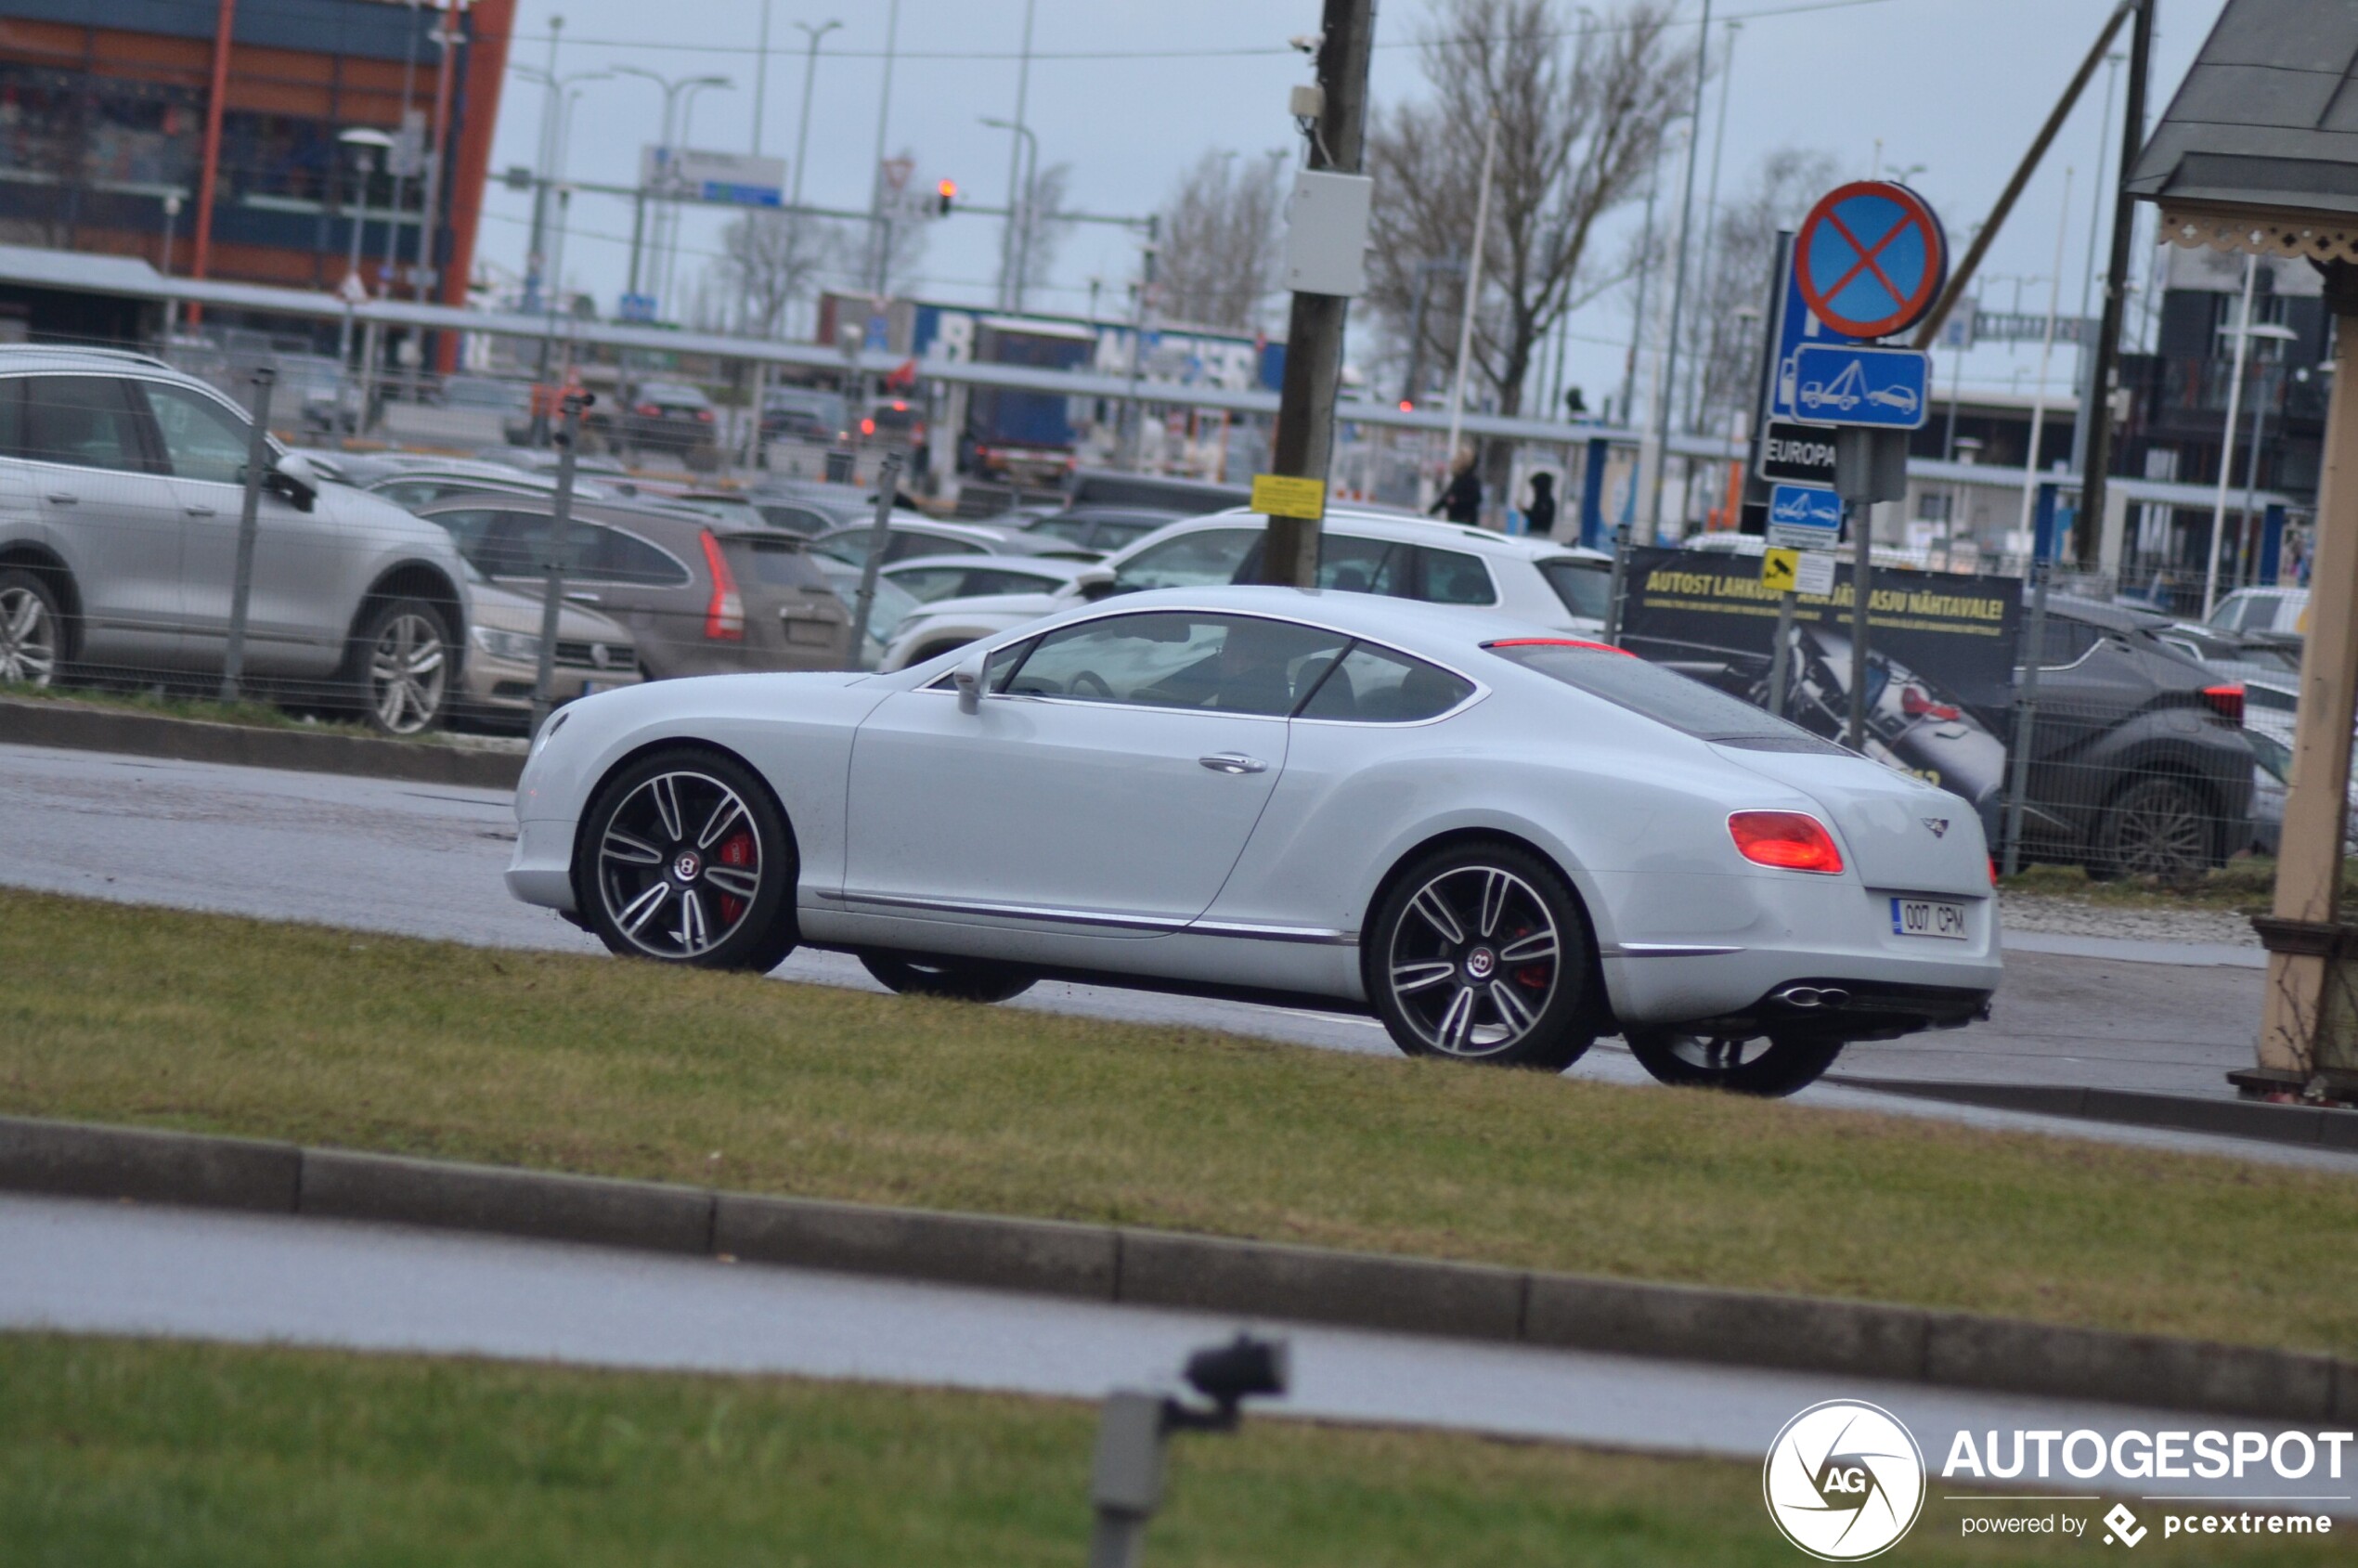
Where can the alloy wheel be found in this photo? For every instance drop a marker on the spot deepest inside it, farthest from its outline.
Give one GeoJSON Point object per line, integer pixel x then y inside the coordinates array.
{"type": "Point", "coordinates": [28, 638]}
{"type": "Point", "coordinates": [408, 670]}
{"type": "Point", "coordinates": [680, 865]}
{"type": "Point", "coordinates": [2158, 829]}
{"type": "Point", "coordinates": [1474, 961]}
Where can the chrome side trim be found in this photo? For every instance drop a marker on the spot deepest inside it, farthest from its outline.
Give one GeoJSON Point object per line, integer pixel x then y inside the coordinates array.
{"type": "Point", "coordinates": [1011, 912]}
{"type": "Point", "coordinates": [1316, 935]}
{"type": "Point", "coordinates": [1669, 950]}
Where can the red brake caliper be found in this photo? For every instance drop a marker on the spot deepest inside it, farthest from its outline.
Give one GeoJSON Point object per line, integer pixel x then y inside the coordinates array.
{"type": "Point", "coordinates": [737, 849]}
{"type": "Point", "coordinates": [1531, 977]}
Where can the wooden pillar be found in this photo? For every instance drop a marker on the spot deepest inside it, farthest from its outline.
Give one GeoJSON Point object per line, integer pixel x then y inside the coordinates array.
{"type": "Point", "coordinates": [2296, 1032]}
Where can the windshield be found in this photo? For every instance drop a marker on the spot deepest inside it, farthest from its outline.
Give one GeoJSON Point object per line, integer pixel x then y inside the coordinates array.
{"type": "Point", "coordinates": [1586, 587]}
{"type": "Point", "coordinates": [1663, 695]}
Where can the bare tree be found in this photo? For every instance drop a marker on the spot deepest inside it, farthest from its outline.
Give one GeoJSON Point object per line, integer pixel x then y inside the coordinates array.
{"type": "Point", "coordinates": [768, 260]}
{"type": "Point", "coordinates": [1221, 230]}
{"type": "Point", "coordinates": [1723, 335]}
{"type": "Point", "coordinates": [1581, 107]}
{"type": "Point", "coordinates": [1044, 227]}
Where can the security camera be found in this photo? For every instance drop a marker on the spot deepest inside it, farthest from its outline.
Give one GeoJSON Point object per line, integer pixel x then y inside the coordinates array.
{"type": "Point", "coordinates": [1241, 1370]}
{"type": "Point", "coordinates": [1307, 42]}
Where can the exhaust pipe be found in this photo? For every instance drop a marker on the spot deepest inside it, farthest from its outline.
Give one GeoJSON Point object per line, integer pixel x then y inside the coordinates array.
{"type": "Point", "coordinates": [1809, 997]}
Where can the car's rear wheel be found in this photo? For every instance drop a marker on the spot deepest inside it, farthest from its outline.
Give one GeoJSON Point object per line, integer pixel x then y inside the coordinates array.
{"type": "Point", "coordinates": [2156, 826]}
{"type": "Point", "coordinates": [685, 859]}
{"type": "Point", "coordinates": [1479, 953]}
{"type": "Point", "coordinates": [32, 630]}
{"type": "Point", "coordinates": [961, 979]}
{"type": "Point", "coordinates": [1763, 1065]}
{"type": "Point", "coordinates": [406, 662]}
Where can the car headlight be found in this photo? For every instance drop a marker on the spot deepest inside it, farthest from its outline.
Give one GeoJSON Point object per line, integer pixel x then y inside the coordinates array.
{"type": "Point", "coordinates": [514, 646]}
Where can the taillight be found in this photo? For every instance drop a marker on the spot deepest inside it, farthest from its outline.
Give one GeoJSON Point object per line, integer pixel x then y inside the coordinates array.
{"type": "Point", "coordinates": [1788, 840]}
{"type": "Point", "coordinates": [649, 412]}
{"type": "Point", "coordinates": [705, 414]}
{"type": "Point", "coordinates": [2227, 701]}
{"type": "Point", "coordinates": [1915, 704]}
{"type": "Point", "coordinates": [1993, 871]}
{"type": "Point", "coordinates": [867, 427]}
{"type": "Point", "coordinates": [724, 617]}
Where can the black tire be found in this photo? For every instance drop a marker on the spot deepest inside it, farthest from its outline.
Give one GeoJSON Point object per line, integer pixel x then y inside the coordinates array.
{"type": "Point", "coordinates": [2156, 826]}
{"type": "Point", "coordinates": [1481, 952]}
{"type": "Point", "coordinates": [404, 667]}
{"type": "Point", "coordinates": [961, 979]}
{"type": "Point", "coordinates": [685, 859]}
{"type": "Point", "coordinates": [32, 630]}
{"type": "Point", "coordinates": [1769, 1068]}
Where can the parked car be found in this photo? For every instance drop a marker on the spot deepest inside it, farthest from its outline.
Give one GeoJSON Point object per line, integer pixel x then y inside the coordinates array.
{"type": "Point", "coordinates": [1103, 528]}
{"type": "Point", "coordinates": [544, 460]}
{"type": "Point", "coordinates": [799, 413]}
{"type": "Point", "coordinates": [1502, 842]}
{"type": "Point", "coordinates": [656, 416]}
{"type": "Point", "coordinates": [892, 604]}
{"type": "Point", "coordinates": [593, 654]}
{"type": "Point", "coordinates": [1535, 580]}
{"type": "Point", "coordinates": [727, 506]}
{"type": "Point", "coordinates": [2138, 763]}
{"type": "Point", "coordinates": [410, 488]}
{"type": "Point", "coordinates": [698, 596]}
{"type": "Point", "coordinates": [930, 577]}
{"type": "Point", "coordinates": [2271, 707]}
{"type": "Point", "coordinates": [484, 392]}
{"type": "Point", "coordinates": [121, 482]}
{"type": "Point", "coordinates": [2261, 609]}
{"type": "Point", "coordinates": [910, 533]}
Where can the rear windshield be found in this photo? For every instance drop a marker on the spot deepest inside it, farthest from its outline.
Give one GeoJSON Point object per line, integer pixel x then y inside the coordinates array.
{"type": "Point", "coordinates": [1586, 587]}
{"type": "Point", "coordinates": [776, 562]}
{"type": "Point", "coordinates": [1664, 695]}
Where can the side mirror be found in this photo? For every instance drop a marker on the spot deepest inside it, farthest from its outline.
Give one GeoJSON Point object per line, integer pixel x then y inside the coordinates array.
{"type": "Point", "coordinates": [968, 677]}
{"type": "Point", "coordinates": [292, 477]}
{"type": "Point", "coordinates": [1095, 583]}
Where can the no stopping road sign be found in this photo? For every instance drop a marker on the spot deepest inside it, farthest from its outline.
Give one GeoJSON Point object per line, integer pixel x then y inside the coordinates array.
{"type": "Point", "coordinates": [1870, 258]}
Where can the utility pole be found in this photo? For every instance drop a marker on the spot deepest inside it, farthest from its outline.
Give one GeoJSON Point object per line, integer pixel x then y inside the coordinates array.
{"type": "Point", "coordinates": [1015, 236]}
{"type": "Point", "coordinates": [2097, 416]}
{"type": "Point", "coordinates": [879, 222]}
{"type": "Point", "coordinates": [809, 80]}
{"type": "Point", "coordinates": [1664, 394]}
{"type": "Point", "coordinates": [1472, 295]}
{"type": "Point", "coordinates": [760, 79]}
{"type": "Point", "coordinates": [1305, 435]}
{"type": "Point", "coordinates": [552, 90]}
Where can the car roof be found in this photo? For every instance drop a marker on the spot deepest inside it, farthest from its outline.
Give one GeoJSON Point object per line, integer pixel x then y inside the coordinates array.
{"type": "Point", "coordinates": [35, 356]}
{"type": "Point", "coordinates": [2112, 617]}
{"type": "Point", "coordinates": [1045, 565]}
{"type": "Point", "coordinates": [1444, 631]}
{"type": "Point", "coordinates": [1410, 530]}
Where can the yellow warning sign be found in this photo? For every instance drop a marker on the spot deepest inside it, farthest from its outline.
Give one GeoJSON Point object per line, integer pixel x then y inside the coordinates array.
{"type": "Point", "coordinates": [1780, 570]}
{"type": "Point", "coordinates": [1283, 495]}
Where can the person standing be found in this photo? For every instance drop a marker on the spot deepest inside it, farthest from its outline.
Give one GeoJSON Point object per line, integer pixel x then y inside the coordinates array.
{"type": "Point", "coordinates": [1539, 517]}
{"type": "Point", "coordinates": [1461, 502]}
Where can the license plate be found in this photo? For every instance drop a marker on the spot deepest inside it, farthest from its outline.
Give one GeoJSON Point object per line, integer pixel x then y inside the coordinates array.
{"type": "Point", "coordinates": [1927, 917]}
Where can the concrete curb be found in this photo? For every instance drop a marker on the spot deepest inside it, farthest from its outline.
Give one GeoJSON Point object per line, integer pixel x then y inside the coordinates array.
{"type": "Point", "coordinates": [72, 727]}
{"type": "Point", "coordinates": [2303, 1126]}
{"type": "Point", "coordinates": [1206, 1273]}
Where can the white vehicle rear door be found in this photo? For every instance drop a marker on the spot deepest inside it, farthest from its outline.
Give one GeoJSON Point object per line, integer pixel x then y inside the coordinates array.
{"type": "Point", "coordinates": [1109, 782]}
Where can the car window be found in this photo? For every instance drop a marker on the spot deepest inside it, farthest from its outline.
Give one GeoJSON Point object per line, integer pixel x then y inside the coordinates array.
{"type": "Point", "coordinates": [1118, 535]}
{"type": "Point", "coordinates": [1228, 664]}
{"type": "Point", "coordinates": [12, 416]}
{"type": "Point", "coordinates": [516, 544]}
{"type": "Point", "coordinates": [2260, 614]}
{"type": "Point", "coordinates": [1357, 565]}
{"type": "Point", "coordinates": [929, 583]}
{"type": "Point", "coordinates": [1451, 577]}
{"type": "Point", "coordinates": [1586, 587]}
{"type": "Point", "coordinates": [1073, 529]}
{"type": "Point", "coordinates": [902, 545]}
{"type": "Point", "coordinates": [983, 581]}
{"type": "Point", "coordinates": [2066, 642]}
{"type": "Point", "coordinates": [472, 531]}
{"type": "Point", "coordinates": [1197, 559]}
{"type": "Point", "coordinates": [86, 421]}
{"type": "Point", "coordinates": [1375, 685]}
{"type": "Point", "coordinates": [795, 519]}
{"type": "Point", "coordinates": [201, 439]}
{"type": "Point", "coordinates": [1664, 695]}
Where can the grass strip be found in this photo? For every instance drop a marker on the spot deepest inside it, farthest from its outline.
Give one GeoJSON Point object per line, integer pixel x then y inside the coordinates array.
{"type": "Point", "coordinates": [249, 714]}
{"type": "Point", "coordinates": [2244, 885]}
{"type": "Point", "coordinates": [212, 1023]}
{"type": "Point", "coordinates": [172, 1455]}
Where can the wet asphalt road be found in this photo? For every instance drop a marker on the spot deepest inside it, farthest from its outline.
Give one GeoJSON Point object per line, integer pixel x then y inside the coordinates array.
{"type": "Point", "coordinates": [425, 861]}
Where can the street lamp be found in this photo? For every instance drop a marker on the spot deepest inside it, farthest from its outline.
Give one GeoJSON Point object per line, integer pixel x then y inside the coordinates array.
{"type": "Point", "coordinates": [671, 91]}
{"type": "Point", "coordinates": [810, 77]}
{"type": "Point", "coordinates": [554, 88]}
{"type": "Point", "coordinates": [1019, 208]}
{"type": "Point", "coordinates": [2243, 330]}
{"type": "Point", "coordinates": [366, 145]}
{"type": "Point", "coordinates": [2265, 331]}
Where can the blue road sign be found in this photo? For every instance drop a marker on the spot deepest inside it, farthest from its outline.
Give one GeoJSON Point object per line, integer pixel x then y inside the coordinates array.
{"type": "Point", "coordinates": [1806, 507]}
{"type": "Point", "coordinates": [1795, 327]}
{"type": "Point", "coordinates": [1871, 258]}
{"type": "Point", "coordinates": [636, 307]}
{"type": "Point", "coordinates": [1851, 383]}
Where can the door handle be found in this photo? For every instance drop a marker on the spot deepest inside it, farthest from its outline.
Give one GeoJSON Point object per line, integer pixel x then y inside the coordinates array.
{"type": "Point", "coordinates": [64, 497]}
{"type": "Point", "coordinates": [1233, 763]}
{"type": "Point", "coordinates": [198, 511]}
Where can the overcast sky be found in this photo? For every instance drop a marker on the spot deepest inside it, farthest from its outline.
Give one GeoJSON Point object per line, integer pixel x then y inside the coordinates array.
{"type": "Point", "coordinates": [1131, 93]}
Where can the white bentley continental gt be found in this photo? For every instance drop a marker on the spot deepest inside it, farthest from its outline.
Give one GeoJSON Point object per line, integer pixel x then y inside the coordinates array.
{"type": "Point", "coordinates": [1503, 842]}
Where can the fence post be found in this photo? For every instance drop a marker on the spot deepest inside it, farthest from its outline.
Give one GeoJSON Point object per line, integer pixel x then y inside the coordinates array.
{"type": "Point", "coordinates": [233, 662]}
{"type": "Point", "coordinates": [2026, 713]}
{"type": "Point", "coordinates": [1592, 493]}
{"type": "Point", "coordinates": [1620, 584]}
{"type": "Point", "coordinates": [554, 583]}
{"type": "Point", "coordinates": [879, 536]}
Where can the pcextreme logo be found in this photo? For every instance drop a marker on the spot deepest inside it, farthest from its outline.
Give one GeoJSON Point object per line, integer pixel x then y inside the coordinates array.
{"type": "Point", "coordinates": [1844, 1480]}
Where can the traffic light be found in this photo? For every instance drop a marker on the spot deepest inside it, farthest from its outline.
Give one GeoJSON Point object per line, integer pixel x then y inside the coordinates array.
{"type": "Point", "coordinates": [945, 196]}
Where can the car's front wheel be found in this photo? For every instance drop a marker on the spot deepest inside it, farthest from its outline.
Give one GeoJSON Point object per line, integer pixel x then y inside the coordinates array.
{"type": "Point", "coordinates": [1762, 1065]}
{"type": "Point", "coordinates": [407, 663]}
{"type": "Point", "coordinates": [32, 630]}
{"type": "Point", "coordinates": [684, 857]}
{"type": "Point", "coordinates": [1479, 953]}
{"type": "Point", "coordinates": [961, 979]}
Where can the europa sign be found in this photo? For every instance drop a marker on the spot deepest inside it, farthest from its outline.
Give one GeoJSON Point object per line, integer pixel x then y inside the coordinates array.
{"type": "Point", "coordinates": [1797, 454]}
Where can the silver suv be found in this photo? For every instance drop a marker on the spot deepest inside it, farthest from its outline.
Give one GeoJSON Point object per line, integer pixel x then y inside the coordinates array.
{"type": "Point", "coordinates": [121, 485]}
